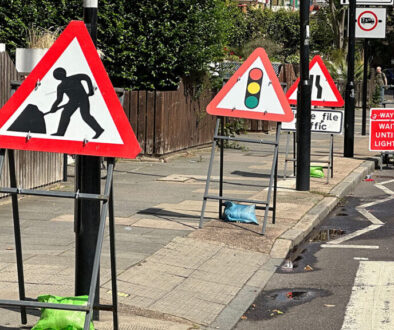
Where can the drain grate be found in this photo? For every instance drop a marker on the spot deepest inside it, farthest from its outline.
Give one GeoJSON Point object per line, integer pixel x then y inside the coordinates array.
{"type": "Point", "coordinates": [327, 235]}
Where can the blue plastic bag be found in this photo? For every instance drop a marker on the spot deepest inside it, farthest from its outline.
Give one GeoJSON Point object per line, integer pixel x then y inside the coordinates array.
{"type": "Point", "coordinates": [240, 213]}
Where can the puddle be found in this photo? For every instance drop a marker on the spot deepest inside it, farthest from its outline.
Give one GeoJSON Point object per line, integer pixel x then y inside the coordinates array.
{"type": "Point", "coordinates": [327, 235]}
{"type": "Point", "coordinates": [276, 302]}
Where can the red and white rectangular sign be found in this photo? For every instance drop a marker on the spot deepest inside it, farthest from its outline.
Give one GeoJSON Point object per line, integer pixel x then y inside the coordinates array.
{"type": "Point", "coordinates": [381, 130]}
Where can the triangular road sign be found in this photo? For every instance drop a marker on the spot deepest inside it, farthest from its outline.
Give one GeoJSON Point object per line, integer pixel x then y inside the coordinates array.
{"type": "Point", "coordinates": [67, 104]}
{"type": "Point", "coordinates": [253, 92]}
{"type": "Point", "coordinates": [324, 91]}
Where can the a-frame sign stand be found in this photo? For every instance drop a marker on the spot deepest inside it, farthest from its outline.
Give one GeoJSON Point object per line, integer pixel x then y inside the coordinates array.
{"type": "Point", "coordinates": [253, 92]}
{"type": "Point", "coordinates": [100, 130]}
{"type": "Point", "coordinates": [107, 205]}
{"type": "Point", "coordinates": [272, 185]}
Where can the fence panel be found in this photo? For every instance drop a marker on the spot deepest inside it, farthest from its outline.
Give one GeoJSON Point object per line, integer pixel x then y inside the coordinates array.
{"type": "Point", "coordinates": [33, 169]}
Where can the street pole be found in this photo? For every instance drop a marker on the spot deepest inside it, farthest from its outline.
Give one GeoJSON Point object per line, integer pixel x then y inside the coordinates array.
{"type": "Point", "coordinates": [304, 105]}
{"type": "Point", "coordinates": [365, 88]}
{"type": "Point", "coordinates": [348, 150]}
{"type": "Point", "coordinates": [87, 180]}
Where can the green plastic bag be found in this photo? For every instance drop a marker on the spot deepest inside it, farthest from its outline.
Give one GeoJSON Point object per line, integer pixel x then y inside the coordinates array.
{"type": "Point", "coordinates": [316, 172]}
{"type": "Point", "coordinates": [57, 319]}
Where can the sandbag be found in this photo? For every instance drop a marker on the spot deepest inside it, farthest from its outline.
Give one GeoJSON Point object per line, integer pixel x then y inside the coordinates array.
{"type": "Point", "coordinates": [316, 172]}
{"type": "Point", "coordinates": [240, 213]}
{"type": "Point", "coordinates": [57, 319]}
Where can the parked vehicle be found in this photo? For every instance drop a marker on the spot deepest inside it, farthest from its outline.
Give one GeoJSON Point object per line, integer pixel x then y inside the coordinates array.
{"type": "Point", "coordinates": [389, 75]}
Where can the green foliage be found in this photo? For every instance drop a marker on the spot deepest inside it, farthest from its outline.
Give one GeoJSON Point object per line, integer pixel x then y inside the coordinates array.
{"type": "Point", "coordinates": [337, 65]}
{"type": "Point", "coordinates": [276, 31]}
{"type": "Point", "coordinates": [375, 101]}
{"type": "Point", "coordinates": [232, 128]}
{"type": "Point", "coordinates": [322, 35]}
{"type": "Point", "coordinates": [147, 44]}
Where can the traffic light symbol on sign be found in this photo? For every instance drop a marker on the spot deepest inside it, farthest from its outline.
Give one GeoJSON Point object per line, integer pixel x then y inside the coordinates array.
{"type": "Point", "coordinates": [253, 88]}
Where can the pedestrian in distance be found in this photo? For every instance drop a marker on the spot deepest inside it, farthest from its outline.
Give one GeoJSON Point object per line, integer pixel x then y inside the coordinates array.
{"type": "Point", "coordinates": [381, 82]}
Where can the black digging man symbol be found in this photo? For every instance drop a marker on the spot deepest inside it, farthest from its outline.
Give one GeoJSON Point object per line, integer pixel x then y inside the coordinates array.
{"type": "Point", "coordinates": [32, 119]}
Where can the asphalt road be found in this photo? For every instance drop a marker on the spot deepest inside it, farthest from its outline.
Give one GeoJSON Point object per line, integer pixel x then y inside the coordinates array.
{"type": "Point", "coordinates": [338, 282]}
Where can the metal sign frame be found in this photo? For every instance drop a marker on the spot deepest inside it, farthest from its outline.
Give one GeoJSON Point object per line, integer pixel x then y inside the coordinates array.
{"type": "Point", "coordinates": [329, 161]}
{"type": "Point", "coordinates": [107, 207]}
{"type": "Point", "coordinates": [272, 180]}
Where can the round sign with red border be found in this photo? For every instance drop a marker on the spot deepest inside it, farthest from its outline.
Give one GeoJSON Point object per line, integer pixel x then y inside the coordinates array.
{"type": "Point", "coordinates": [367, 20]}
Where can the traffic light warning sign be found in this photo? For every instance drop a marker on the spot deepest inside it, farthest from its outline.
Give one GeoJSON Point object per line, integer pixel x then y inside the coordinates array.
{"type": "Point", "coordinates": [324, 91]}
{"type": "Point", "coordinates": [253, 92]}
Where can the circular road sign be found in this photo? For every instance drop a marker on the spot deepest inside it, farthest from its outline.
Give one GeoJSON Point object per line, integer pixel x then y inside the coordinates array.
{"type": "Point", "coordinates": [367, 20]}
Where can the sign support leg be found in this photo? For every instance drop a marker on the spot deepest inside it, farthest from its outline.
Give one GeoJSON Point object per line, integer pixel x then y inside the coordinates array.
{"type": "Point", "coordinates": [294, 153]}
{"type": "Point", "coordinates": [204, 202]}
{"type": "Point", "coordinates": [271, 181]}
{"type": "Point", "coordinates": [275, 191]}
{"type": "Point", "coordinates": [17, 234]}
{"type": "Point", "coordinates": [113, 258]}
{"type": "Point", "coordinates": [286, 154]}
{"type": "Point", "coordinates": [222, 119]}
{"type": "Point", "coordinates": [332, 156]}
{"type": "Point", "coordinates": [94, 281]}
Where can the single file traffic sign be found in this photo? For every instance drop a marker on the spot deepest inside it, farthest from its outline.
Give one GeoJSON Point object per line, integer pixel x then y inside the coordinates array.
{"type": "Point", "coordinates": [67, 104]}
{"type": "Point", "coordinates": [253, 92]}
{"type": "Point", "coordinates": [324, 91]}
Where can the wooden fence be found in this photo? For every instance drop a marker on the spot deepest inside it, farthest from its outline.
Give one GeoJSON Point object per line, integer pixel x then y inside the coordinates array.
{"type": "Point", "coordinates": [33, 169]}
{"type": "Point", "coordinates": [168, 121]}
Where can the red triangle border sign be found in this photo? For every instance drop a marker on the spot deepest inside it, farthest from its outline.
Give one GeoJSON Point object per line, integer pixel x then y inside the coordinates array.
{"type": "Point", "coordinates": [339, 100]}
{"type": "Point", "coordinates": [274, 103]}
{"type": "Point", "coordinates": [128, 149]}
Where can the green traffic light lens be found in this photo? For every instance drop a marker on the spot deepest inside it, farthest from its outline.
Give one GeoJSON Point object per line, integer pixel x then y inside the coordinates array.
{"type": "Point", "coordinates": [251, 102]}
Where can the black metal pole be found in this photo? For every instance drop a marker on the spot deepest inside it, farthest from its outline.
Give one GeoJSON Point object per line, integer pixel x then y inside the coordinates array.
{"type": "Point", "coordinates": [65, 167]}
{"type": "Point", "coordinates": [365, 88]}
{"type": "Point", "coordinates": [349, 93]}
{"type": "Point", "coordinates": [87, 211]}
{"type": "Point", "coordinates": [304, 105]}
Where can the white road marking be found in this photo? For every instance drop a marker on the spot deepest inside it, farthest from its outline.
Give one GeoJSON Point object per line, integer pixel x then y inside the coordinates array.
{"type": "Point", "coordinates": [371, 304]}
{"type": "Point", "coordinates": [383, 188]}
{"type": "Point", "coordinates": [388, 181]}
{"type": "Point", "coordinates": [370, 216]}
{"type": "Point", "coordinates": [360, 258]}
{"type": "Point", "coordinates": [362, 209]}
{"type": "Point", "coordinates": [344, 246]}
{"type": "Point", "coordinates": [354, 234]}
{"type": "Point", "coordinates": [364, 206]}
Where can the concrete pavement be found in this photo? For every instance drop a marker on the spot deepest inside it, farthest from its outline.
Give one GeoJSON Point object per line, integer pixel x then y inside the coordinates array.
{"type": "Point", "coordinates": [172, 275]}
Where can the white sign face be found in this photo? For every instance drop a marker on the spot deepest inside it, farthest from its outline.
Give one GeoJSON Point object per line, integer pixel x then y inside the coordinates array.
{"type": "Point", "coordinates": [370, 2]}
{"type": "Point", "coordinates": [80, 118]}
{"type": "Point", "coordinates": [371, 23]}
{"type": "Point", "coordinates": [322, 121]}
{"type": "Point", "coordinates": [235, 97]}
